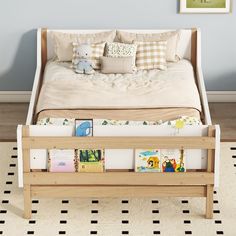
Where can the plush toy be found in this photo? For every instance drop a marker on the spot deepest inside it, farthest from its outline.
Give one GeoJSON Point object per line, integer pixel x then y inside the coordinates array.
{"type": "Point", "coordinates": [82, 63]}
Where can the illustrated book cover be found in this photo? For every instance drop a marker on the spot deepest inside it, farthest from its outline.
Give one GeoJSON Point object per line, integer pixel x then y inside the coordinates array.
{"type": "Point", "coordinates": [147, 160]}
{"type": "Point", "coordinates": [83, 127]}
{"type": "Point", "coordinates": [90, 160]}
{"type": "Point", "coordinates": [62, 160]}
{"type": "Point", "coordinates": [173, 160]}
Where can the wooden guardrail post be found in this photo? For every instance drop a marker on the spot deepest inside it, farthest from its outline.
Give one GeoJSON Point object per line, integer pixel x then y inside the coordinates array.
{"type": "Point", "coordinates": [210, 168]}
{"type": "Point", "coordinates": [26, 169]}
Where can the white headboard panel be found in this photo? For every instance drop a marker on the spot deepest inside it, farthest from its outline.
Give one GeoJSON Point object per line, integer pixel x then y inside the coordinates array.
{"type": "Point", "coordinates": [184, 48]}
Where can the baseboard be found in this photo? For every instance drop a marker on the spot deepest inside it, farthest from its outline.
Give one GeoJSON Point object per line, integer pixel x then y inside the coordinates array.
{"type": "Point", "coordinates": [15, 96]}
{"type": "Point", "coordinates": [221, 96]}
{"type": "Point", "coordinates": [24, 96]}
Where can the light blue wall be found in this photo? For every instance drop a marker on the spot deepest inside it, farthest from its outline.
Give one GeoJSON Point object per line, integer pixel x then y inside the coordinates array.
{"type": "Point", "coordinates": [20, 18]}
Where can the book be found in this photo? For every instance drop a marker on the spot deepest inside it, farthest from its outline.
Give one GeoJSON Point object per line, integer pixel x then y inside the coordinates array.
{"type": "Point", "coordinates": [173, 160]}
{"type": "Point", "coordinates": [90, 160]}
{"type": "Point", "coordinates": [83, 127]}
{"type": "Point", "coordinates": [147, 160]}
{"type": "Point", "coordinates": [62, 160]}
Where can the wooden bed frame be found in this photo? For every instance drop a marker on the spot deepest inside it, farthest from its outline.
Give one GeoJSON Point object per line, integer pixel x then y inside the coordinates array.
{"type": "Point", "coordinates": [118, 183]}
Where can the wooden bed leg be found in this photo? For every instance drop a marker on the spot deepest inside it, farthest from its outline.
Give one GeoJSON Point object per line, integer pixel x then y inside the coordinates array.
{"type": "Point", "coordinates": [209, 201]}
{"type": "Point", "coordinates": [27, 202]}
{"type": "Point", "coordinates": [26, 167]}
{"type": "Point", "coordinates": [210, 169]}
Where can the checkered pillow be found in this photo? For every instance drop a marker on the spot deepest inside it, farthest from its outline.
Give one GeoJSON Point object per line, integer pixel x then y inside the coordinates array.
{"type": "Point", "coordinates": [97, 52]}
{"type": "Point", "coordinates": [151, 55]}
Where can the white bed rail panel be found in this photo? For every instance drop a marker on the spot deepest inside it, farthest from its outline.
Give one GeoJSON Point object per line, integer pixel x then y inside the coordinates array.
{"type": "Point", "coordinates": [200, 81]}
{"type": "Point", "coordinates": [120, 159]}
{"type": "Point", "coordinates": [36, 84]}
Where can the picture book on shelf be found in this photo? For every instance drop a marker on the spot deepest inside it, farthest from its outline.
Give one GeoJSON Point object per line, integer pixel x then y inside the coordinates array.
{"type": "Point", "coordinates": [83, 127]}
{"type": "Point", "coordinates": [173, 160]}
{"type": "Point", "coordinates": [62, 160]}
{"type": "Point", "coordinates": [90, 160]}
{"type": "Point", "coordinates": [147, 160]}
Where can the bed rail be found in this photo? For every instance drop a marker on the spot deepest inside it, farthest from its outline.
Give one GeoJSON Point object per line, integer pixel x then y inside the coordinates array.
{"type": "Point", "coordinates": [119, 183]}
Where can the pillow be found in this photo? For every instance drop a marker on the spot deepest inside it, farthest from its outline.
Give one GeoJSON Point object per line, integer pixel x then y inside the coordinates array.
{"type": "Point", "coordinates": [63, 42]}
{"type": "Point", "coordinates": [117, 65]}
{"type": "Point", "coordinates": [151, 55]}
{"type": "Point", "coordinates": [121, 50]}
{"type": "Point", "coordinates": [172, 38]}
{"type": "Point", "coordinates": [97, 51]}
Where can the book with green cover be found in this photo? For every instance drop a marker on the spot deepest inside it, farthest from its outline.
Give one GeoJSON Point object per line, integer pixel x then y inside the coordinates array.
{"type": "Point", "coordinates": [90, 160]}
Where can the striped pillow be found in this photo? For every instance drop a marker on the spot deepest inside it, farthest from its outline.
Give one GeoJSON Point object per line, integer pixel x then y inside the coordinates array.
{"type": "Point", "coordinates": [97, 52]}
{"type": "Point", "coordinates": [151, 55]}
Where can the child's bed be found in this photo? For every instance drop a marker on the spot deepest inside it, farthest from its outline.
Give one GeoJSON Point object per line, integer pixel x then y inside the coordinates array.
{"type": "Point", "coordinates": [144, 96]}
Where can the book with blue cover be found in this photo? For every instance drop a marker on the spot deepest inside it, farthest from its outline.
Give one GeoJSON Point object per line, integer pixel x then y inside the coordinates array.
{"type": "Point", "coordinates": [83, 127]}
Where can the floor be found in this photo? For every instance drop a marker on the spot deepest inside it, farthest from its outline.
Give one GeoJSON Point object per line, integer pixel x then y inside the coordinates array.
{"type": "Point", "coordinates": [117, 216]}
{"type": "Point", "coordinates": [225, 115]}
{"type": "Point", "coordinates": [12, 114]}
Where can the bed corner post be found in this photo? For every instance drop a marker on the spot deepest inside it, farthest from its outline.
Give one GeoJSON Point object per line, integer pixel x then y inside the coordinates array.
{"type": "Point", "coordinates": [44, 47]}
{"type": "Point", "coordinates": [26, 168]}
{"type": "Point", "coordinates": [194, 48]}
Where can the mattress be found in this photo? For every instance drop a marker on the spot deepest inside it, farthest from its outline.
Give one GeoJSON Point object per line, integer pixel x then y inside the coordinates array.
{"type": "Point", "coordinates": [144, 95]}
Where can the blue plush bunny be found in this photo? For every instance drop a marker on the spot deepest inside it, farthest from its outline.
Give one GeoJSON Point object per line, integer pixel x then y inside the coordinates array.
{"type": "Point", "coordinates": [83, 64]}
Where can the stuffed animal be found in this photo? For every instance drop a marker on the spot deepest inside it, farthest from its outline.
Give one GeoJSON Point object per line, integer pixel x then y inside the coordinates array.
{"type": "Point", "coordinates": [82, 62]}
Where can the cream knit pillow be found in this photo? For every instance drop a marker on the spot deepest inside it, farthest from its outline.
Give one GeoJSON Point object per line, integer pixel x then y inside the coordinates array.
{"type": "Point", "coordinates": [117, 65]}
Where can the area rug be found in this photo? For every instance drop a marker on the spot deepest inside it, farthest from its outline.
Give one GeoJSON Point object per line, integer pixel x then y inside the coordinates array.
{"type": "Point", "coordinates": [117, 216]}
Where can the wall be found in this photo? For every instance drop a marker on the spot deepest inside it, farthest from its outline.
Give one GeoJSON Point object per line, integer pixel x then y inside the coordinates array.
{"type": "Point", "coordinates": [19, 19]}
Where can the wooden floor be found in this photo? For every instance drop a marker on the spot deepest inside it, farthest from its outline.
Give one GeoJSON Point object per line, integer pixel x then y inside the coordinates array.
{"type": "Point", "coordinates": [225, 115]}
{"type": "Point", "coordinates": [12, 114]}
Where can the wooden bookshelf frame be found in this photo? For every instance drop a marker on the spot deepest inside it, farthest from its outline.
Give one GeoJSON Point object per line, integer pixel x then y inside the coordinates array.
{"type": "Point", "coordinates": [119, 184]}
